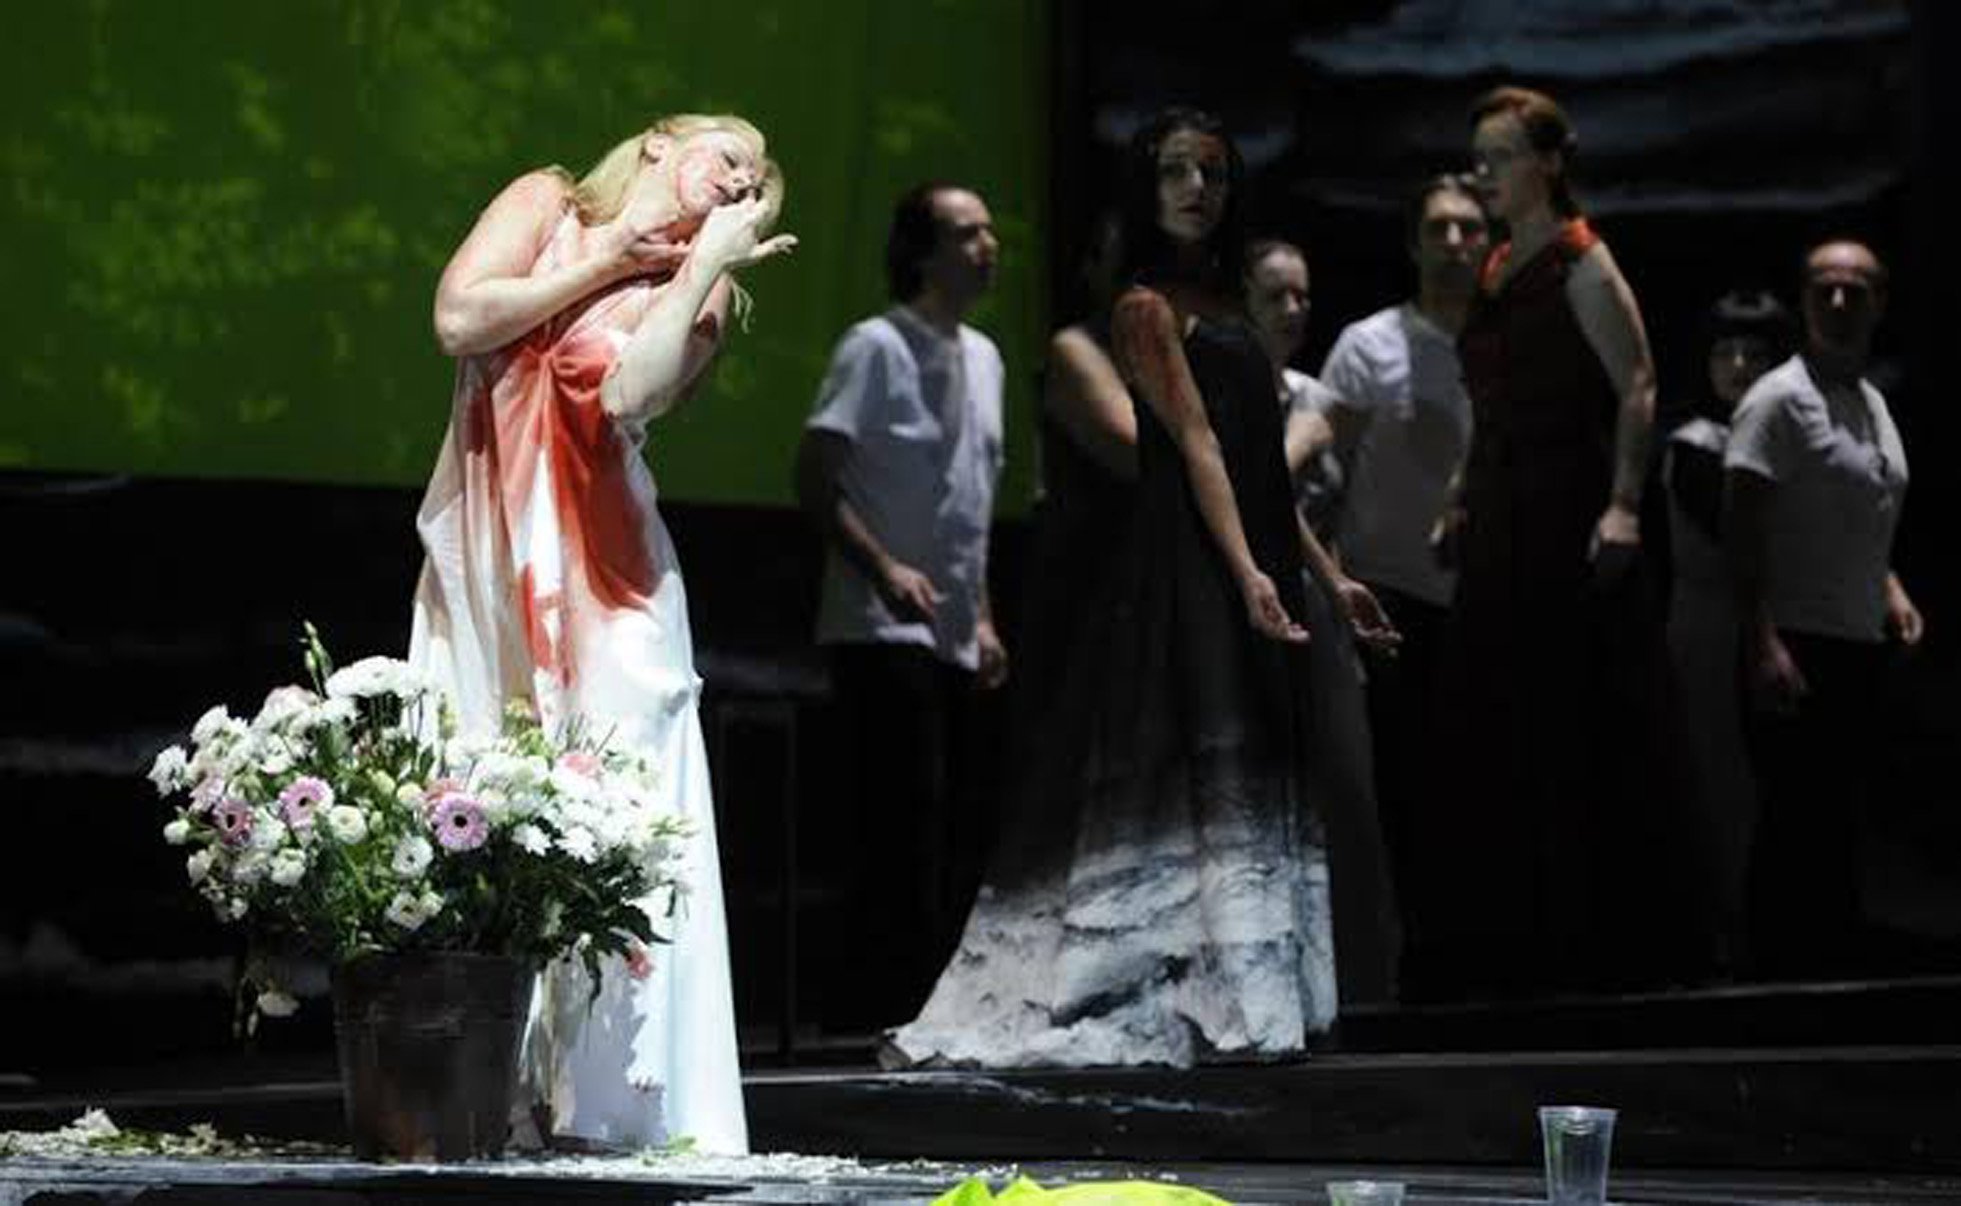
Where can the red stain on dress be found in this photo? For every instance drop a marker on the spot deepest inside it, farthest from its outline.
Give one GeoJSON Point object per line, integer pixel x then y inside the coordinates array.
{"type": "Point", "coordinates": [538, 406]}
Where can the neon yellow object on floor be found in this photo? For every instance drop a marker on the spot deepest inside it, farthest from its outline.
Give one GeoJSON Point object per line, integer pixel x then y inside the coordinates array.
{"type": "Point", "coordinates": [1024, 1192]}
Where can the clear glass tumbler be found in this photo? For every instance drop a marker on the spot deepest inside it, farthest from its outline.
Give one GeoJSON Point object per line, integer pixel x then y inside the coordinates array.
{"type": "Point", "coordinates": [1579, 1141]}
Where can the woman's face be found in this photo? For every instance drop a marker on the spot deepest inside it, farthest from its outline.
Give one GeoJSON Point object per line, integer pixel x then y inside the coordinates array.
{"type": "Point", "coordinates": [1735, 363]}
{"type": "Point", "coordinates": [1277, 301]}
{"type": "Point", "coordinates": [1192, 171]}
{"type": "Point", "coordinates": [1514, 179]}
{"type": "Point", "coordinates": [714, 169]}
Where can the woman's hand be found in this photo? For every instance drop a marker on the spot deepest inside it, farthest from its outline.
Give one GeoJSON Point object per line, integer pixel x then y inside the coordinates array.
{"type": "Point", "coordinates": [1265, 611]}
{"type": "Point", "coordinates": [1616, 541]}
{"type": "Point", "coordinates": [630, 251]}
{"type": "Point", "coordinates": [1365, 615]}
{"type": "Point", "coordinates": [728, 239]}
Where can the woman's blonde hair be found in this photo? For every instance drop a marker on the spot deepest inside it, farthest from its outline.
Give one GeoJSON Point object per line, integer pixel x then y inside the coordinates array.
{"type": "Point", "coordinates": [601, 193]}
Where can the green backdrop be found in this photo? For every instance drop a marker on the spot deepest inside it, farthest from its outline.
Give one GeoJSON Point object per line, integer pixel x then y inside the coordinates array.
{"type": "Point", "coordinates": [225, 218]}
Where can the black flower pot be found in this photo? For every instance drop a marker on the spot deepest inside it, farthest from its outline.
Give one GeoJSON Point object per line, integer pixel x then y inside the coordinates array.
{"type": "Point", "coordinates": [428, 1052]}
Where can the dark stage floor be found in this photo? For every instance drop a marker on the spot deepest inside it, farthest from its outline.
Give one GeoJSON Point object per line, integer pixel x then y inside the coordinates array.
{"type": "Point", "coordinates": [1849, 1125]}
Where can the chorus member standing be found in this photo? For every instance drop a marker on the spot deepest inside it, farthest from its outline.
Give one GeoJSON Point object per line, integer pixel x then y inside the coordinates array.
{"type": "Point", "coordinates": [1816, 477]}
{"type": "Point", "coordinates": [1568, 837]}
{"type": "Point", "coordinates": [1745, 334]}
{"type": "Point", "coordinates": [1278, 304]}
{"type": "Point", "coordinates": [897, 469]}
{"type": "Point", "coordinates": [577, 311]}
{"type": "Point", "coordinates": [1400, 425]}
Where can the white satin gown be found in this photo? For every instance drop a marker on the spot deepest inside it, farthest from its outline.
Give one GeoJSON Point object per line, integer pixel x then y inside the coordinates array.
{"type": "Point", "coordinates": [550, 577]}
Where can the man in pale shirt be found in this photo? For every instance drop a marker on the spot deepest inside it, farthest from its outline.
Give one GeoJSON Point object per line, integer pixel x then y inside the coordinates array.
{"type": "Point", "coordinates": [1399, 425]}
{"type": "Point", "coordinates": [1815, 475]}
{"type": "Point", "coordinates": [897, 469]}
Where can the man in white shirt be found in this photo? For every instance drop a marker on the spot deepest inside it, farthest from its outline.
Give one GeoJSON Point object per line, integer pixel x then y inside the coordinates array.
{"type": "Point", "coordinates": [1815, 475]}
{"type": "Point", "coordinates": [1399, 425]}
{"type": "Point", "coordinates": [897, 468]}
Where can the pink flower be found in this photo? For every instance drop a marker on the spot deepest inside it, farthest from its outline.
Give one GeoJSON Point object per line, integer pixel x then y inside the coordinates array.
{"type": "Point", "coordinates": [233, 817]}
{"type": "Point", "coordinates": [302, 798]}
{"type": "Point", "coordinates": [581, 762]}
{"type": "Point", "coordinates": [459, 822]}
{"type": "Point", "coordinates": [207, 793]}
{"type": "Point", "coordinates": [438, 791]}
{"type": "Point", "coordinates": [639, 961]}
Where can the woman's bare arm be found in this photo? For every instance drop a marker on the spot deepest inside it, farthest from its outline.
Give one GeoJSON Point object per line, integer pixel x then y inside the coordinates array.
{"type": "Point", "coordinates": [1086, 395]}
{"type": "Point", "coordinates": [1611, 320]}
{"type": "Point", "coordinates": [486, 297]}
{"type": "Point", "coordinates": [681, 327]}
{"type": "Point", "coordinates": [1151, 355]}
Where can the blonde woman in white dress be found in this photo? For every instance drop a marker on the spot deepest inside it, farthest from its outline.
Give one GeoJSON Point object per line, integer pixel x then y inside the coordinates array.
{"type": "Point", "coordinates": [577, 311]}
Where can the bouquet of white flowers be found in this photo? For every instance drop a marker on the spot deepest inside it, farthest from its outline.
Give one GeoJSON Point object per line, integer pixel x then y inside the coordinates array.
{"type": "Point", "coordinates": [348, 818]}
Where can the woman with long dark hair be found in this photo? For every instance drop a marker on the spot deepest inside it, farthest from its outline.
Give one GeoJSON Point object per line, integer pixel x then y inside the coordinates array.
{"type": "Point", "coordinates": [1178, 909]}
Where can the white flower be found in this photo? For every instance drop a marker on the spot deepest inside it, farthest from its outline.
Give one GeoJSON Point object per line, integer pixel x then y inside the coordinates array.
{"type": "Point", "coordinates": [250, 868]}
{"type": "Point", "coordinates": [209, 725]}
{"type": "Point", "coordinates": [283, 706]}
{"type": "Point", "coordinates": [411, 911]}
{"type": "Point", "coordinates": [288, 868]}
{"type": "Point", "coordinates": [405, 911]}
{"type": "Point", "coordinates": [171, 770]}
{"type": "Point", "coordinates": [531, 839]}
{"type": "Point", "coordinates": [410, 794]}
{"type": "Point", "coordinates": [580, 844]}
{"type": "Point", "coordinates": [347, 823]}
{"type": "Point", "coordinates": [177, 832]}
{"type": "Point", "coordinates": [572, 784]}
{"type": "Point", "coordinates": [373, 676]}
{"type": "Point", "coordinates": [412, 855]}
{"type": "Point", "coordinates": [495, 804]}
{"type": "Point", "coordinates": [276, 1004]}
{"type": "Point", "coordinates": [275, 756]}
{"type": "Point", "coordinates": [198, 865]}
{"type": "Point", "coordinates": [519, 773]}
{"type": "Point", "coordinates": [332, 713]}
{"type": "Point", "coordinates": [268, 831]}
{"type": "Point", "coordinates": [236, 907]}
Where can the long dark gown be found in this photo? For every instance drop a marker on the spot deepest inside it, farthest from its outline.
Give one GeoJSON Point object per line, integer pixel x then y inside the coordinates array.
{"type": "Point", "coordinates": [1567, 838]}
{"type": "Point", "coordinates": [1162, 891]}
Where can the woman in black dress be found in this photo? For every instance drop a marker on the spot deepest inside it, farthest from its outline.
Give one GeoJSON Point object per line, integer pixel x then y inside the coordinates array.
{"type": "Point", "coordinates": [1183, 911]}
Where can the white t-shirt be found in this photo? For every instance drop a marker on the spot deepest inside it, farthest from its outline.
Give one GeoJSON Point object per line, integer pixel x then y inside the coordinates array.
{"type": "Point", "coordinates": [1841, 477]}
{"type": "Point", "coordinates": [1398, 371]}
{"type": "Point", "coordinates": [923, 414]}
{"type": "Point", "coordinates": [1317, 487]}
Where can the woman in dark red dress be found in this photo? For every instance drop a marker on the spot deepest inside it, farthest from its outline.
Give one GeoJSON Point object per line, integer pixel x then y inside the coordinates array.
{"type": "Point", "coordinates": [1561, 686]}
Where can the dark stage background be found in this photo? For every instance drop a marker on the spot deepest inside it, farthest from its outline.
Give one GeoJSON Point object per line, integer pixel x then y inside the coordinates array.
{"type": "Point", "coordinates": [1717, 140]}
